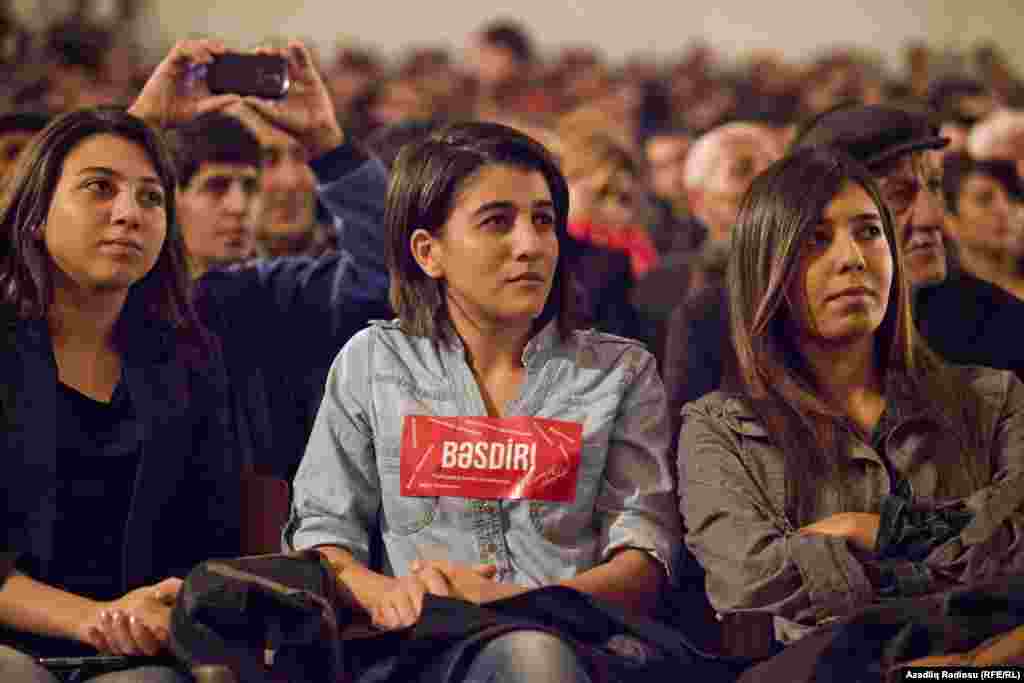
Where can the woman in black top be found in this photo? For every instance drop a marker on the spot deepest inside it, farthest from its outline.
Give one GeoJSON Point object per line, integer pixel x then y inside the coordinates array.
{"type": "Point", "coordinates": [120, 464]}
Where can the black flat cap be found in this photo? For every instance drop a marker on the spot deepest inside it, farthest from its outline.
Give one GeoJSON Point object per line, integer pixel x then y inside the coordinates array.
{"type": "Point", "coordinates": [871, 134]}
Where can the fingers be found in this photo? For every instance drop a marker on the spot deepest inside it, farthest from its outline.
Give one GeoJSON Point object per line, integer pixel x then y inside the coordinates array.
{"type": "Point", "coordinates": [98, 639]}
{"type": "Point", "coordinates": [196, 51]}
{"type": "Point", "coordinates": [488, 571]}
{"type": "Point", "coordinates": [387, 617]}
{"type": "Point", "coordinates": [268, 109]}
{"type": "Point", "coordinates": [144, 639]}
{"type": "Point", "coordinates": [275, 114]}
{"type": "Point", "coordinates": [448, 568]}
{"type": "Point", "coordinates": [118, 632]}
{"type": "Point", "coordinates": [302, 61]}
{"type": "Point", "coordinates": [398, 612]}
{"type": "Point", "coordinates": [408, 605]}
{"type": "Point", "coordinates": [216, 103]}
{"type": "Point", "coordinates": [434, 581]}
{"type": "Point", "coordinates": [127, 634]}
{"type": "Point", "coordinates": [401, 606]}
{"type": "Point", "coordinates": [272, 52]}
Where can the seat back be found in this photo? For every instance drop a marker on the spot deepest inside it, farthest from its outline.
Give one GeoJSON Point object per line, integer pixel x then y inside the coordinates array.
{"type": "Point", "coordinates": [265, 507]}
{"type": "Point", "coordinates": [685, 606]}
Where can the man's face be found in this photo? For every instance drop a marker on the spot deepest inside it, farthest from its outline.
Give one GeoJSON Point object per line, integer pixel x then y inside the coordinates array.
{"type": "Point", "coordinates": [215, 213]}
{"type": "Point", "coordinates": [400, 101]}
{"type": "Point", "coordinates": [492, 64]}
{"type": "Point", "coordinates": [1005, 143]}
{"type": "Point", "coordinates": [666, 156]}
{"type": "Point", "coordinates": [985, 218]}
{"type": "Point", "coordinates": [738, 162]}
{"type": "Point", "coordinates": [917, 213]}
{"type": "Point", "coordinates": [287, 202]}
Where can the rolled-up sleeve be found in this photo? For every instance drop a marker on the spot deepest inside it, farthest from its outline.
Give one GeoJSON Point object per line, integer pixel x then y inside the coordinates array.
{"type": "Point", "coordinates": [637, 498]}
{"type": "Point", "coordinates": [754, 559]}
{"type": "Point", "coordinates": [337, 488]}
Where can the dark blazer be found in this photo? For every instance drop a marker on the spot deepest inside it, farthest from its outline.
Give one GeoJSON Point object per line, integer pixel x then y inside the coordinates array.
{"type": "Point", "coordinates": [970, 321]}
{"type": "Point", "coordinates": [186, 502]}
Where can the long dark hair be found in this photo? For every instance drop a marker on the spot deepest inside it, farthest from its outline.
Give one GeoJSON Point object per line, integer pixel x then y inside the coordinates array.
{"type": "Point", "coordinates": [426, 178]}
{"type": "Point", "coordinates": [780, 210]}
{"type": "Point", "coordinates": [26, 269]}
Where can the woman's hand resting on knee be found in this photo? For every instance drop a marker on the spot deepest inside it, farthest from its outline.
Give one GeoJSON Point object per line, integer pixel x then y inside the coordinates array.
{"type": "Point", "coordinates": [391, 602]}
{"type": "Point", "coordinates": [472, 583]}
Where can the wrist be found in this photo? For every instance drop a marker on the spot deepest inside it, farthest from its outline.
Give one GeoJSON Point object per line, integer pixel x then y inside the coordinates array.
{"type": "Point", "coordinates": [357, 586]}
{"type": "Point", "coordinates": [84, 618]}
{"type": "Point", "coordinates": [505, 590]}
{"type": "Point", "coordinates": [325, 138]}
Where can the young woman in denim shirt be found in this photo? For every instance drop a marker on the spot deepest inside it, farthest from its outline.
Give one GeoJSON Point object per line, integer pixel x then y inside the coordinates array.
{"type": "Point", "coordinates": [481, 284]}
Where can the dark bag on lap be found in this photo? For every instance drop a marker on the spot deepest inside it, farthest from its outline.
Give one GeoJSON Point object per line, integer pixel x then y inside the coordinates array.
{"type": "Point", "coordinates": [268, 618]}
{"type": "Point", "coordinates": [234, 613]}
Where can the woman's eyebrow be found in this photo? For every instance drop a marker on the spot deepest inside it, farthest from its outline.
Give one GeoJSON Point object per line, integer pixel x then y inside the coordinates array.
{"type": "Point", "coordinates": [502, 205]}
{"type": "Point", "coordinates": [103, 170]}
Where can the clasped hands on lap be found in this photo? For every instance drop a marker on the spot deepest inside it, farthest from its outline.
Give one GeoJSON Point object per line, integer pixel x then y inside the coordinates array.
{"type": "Point", "coordinates": [134, 624]}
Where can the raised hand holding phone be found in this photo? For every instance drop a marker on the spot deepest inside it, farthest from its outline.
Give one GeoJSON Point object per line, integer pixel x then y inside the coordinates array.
{"type": "Point", "coordinates": [177, 91]}
{"type": "Point", "coordinates": [306, 112]}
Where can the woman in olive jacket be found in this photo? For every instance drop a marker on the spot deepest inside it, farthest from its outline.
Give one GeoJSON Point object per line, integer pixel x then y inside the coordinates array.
{"type": "Point", "coordinates": [843, 462]}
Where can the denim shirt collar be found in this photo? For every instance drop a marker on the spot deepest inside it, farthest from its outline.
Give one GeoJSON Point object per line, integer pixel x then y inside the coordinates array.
{"type": "Point", "coordinates": [547, 338]}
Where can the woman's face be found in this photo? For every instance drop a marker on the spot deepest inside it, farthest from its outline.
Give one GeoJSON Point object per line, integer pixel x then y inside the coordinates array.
{"type": "Point", "coordinates": [498, 249]}
{"type": "Point", "coordinates": [984, 219]}
{"type": "Point", "coordinates": [608, 196]}
{"type": "Point", "coordinates": [107, 220]}
{"type": "Point", "coordinates": [845, 271]}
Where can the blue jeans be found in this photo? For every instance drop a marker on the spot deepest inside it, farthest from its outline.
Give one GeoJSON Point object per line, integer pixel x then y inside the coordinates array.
{"type": "Point", "coordinates": [18, 667]}
{"type": "Point", "coordinates": [527, 657]}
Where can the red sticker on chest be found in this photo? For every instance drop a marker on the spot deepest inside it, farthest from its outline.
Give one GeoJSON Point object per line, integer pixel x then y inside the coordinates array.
{"type": "Point", "coordinates": [511, 458]}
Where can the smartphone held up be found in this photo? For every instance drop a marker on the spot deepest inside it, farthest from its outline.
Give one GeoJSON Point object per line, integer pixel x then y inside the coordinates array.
{"type": "Point", "coordinates": [248, 75]}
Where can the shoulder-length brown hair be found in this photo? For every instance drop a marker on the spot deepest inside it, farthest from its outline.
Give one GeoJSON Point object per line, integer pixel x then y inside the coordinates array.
{"type": "Point", "coordinates": [781, 209]}
{"type": "Point", "coordinates": [426, 178]}
{"type": "Point", "coordinates": [26, 269]}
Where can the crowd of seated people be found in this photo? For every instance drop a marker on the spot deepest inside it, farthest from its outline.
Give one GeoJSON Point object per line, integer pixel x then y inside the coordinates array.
{"type": "Point", "coordinates": [772, 305]}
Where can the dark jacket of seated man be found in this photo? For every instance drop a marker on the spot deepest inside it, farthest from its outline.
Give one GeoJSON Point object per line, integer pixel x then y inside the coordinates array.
{"type": "Point", "coordinates": [282, 321]}
{"type": "Point", "coordinates": [972, 322]}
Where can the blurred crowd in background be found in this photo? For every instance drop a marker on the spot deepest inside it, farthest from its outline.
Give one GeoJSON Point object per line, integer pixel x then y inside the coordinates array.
{"type": "Point", "coordinates": [658, 152]}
